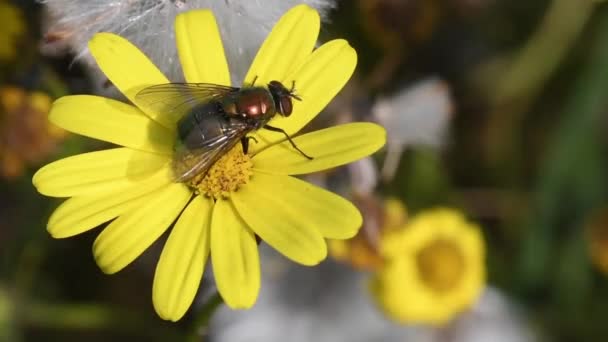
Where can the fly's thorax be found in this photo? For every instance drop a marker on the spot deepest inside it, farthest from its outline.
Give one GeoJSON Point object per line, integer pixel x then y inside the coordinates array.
{"type": "Point", "coordinates": [254, 103]}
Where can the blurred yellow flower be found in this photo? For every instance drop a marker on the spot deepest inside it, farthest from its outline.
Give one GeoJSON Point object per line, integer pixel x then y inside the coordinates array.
{"type": "Point", "coordinates": [26, 137]}
{"type": "Point", "coordinates": [356, 252]}
{"type": "Point", "coordinates": [361, 252]}
{"type": "Point", "coordinates": [10, 30]}
{"type": "Point", "coordinates": [597, 239]}
{"type": "Point", "coordinates": [434, 268]}
{"type": "Point", "coordinates": [134, 185]}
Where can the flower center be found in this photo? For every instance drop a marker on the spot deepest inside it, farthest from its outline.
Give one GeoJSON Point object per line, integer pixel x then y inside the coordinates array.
{"type": "Point", "coordinates": [440, 265]}
{"type": "Point", "coordinates": [230, 172]}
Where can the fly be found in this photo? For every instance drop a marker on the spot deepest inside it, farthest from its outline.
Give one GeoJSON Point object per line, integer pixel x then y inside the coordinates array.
{"type": "Point", "coordinates": [212, 119]}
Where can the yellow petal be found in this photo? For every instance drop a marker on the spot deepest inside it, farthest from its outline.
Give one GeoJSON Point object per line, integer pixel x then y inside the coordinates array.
{"type": "Point", "coordinates": [329, 148]}
{"type": "Point", "coordinates": [279, 223]}
{"type": "Point", "coordinates": [182, 262]}
{"type": "Point", "coordinates": [317, 81]}
{"type": "Point", "coordinates": [200, 48]}
{"type": "Point", "coordinates": [334, 216]}
{"type": "Point", "coordinates": [286, 47]}
{"type": "Point", "coordinates": [79, 214]}
{"type": "Point", "coordinates": [112, 121]}
{"type": "Point", "coordinates": [97, 172]}
{"type": "Point", "coordinates": [133, 232]}
{"type": "Point", "coordinates": [234, 256]}
{"type": "Point", "coordinates": [126, 67]}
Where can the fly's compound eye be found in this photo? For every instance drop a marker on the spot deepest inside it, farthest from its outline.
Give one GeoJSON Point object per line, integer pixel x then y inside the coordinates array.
{"type": "Point", "coordinates": [285, 105]}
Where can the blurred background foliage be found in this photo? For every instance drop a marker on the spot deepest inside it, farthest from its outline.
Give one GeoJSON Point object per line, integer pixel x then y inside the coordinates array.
{"type": "Point", "coordinates": [526, 157]}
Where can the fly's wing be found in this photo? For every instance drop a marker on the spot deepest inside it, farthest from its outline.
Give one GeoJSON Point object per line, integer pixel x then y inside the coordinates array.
{"type": "Point", "coordinates": [174, 100]}
{"type": "Point", "coordinates": [188, 163]}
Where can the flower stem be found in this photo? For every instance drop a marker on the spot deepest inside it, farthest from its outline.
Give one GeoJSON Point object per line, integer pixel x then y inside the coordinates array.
{"type": "Point", "coordinates": [201, 321]}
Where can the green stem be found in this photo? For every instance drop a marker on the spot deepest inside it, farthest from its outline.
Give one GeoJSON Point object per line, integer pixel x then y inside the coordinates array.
{"type": "Point", "coordinates": [92, 316]}
{"type": "Point", "coordinates": [202, 319]}
{"type": "Point", "coordinates": [528, 73]}
{"type": "Point", "coordinates": [75, 316]}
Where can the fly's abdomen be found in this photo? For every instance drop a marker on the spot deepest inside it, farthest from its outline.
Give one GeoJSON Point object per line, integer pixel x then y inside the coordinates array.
{"type": "Point", "coordinates": [203, 124]}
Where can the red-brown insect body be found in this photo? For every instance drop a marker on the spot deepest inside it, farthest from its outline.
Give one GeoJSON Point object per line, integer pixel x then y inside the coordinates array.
{"type": "Point", "coordinates": [258, 105]}
{"type": "Point", "coordinates": [254, 104]}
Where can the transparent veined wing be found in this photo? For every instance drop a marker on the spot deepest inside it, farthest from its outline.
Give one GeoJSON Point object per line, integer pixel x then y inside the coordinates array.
{"type": "Point", "coordinates": [188, 163]}
{"type": "Point", "coordinates": [174, 100]}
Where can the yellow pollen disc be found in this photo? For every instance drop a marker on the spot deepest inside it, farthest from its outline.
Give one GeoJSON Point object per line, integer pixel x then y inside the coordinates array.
{"type": "Point", "coordinates": [440, 265]}
{"type": "Point", "coordinates": [230, 172]}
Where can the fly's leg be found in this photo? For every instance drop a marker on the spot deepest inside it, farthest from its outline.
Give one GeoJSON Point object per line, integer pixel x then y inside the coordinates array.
{"type": "Point", "coordinates": [280, 130]}
{"type": "Point", "coordinates": [292, 93]}
{"type": "Point", "coordinates": [245, 143]}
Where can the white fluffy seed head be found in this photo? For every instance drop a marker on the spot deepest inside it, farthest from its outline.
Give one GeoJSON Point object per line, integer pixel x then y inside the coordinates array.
{"type": "Point", "coordinates": [417, 115]}
{"type": "Point", "coordinates": [149, 25]}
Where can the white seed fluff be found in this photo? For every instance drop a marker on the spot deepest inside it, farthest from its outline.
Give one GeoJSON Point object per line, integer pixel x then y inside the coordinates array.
{"type": "Point", "coordinates": [416, 115]}
{"type": "Point", "coordinates": [149, 25]}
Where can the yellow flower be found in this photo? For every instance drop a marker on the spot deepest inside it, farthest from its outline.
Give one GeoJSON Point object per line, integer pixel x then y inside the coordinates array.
{"type": "Point", "coordinates": [10, 30]}
{"type": "Point", "coordinates": [434, 268]}
{"type": "Point", "coordinates": [26, 137]}
{"type": "Point", "coordinates": [361, 252]}
{"type": "Point", "coordinates": [134, 183]}
{"type": "Point", "coordinates": [596, 233]}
